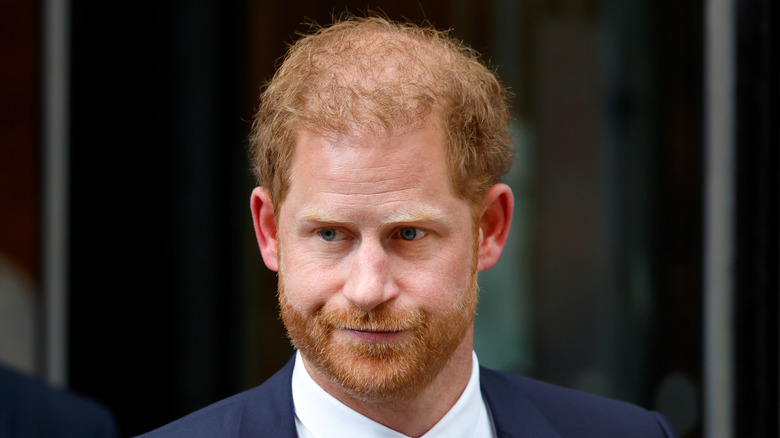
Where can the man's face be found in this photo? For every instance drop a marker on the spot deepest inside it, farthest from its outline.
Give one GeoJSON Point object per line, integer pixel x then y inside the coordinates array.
{"type": "Point", "coordinates": [377, 262]}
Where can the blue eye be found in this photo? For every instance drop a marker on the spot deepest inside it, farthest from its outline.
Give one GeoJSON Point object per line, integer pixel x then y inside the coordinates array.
{"type": "Point", "coordinates": [328, 234]}
{"type": "Point", "coordinates": [410, 233]}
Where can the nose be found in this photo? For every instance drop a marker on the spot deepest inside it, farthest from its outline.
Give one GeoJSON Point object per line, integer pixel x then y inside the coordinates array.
{"type": "Point", "coordinates": [370, 281]}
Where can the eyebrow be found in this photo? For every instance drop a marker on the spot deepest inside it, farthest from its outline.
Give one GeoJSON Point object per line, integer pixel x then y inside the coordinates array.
{"type": "Point", "coordinates": [402, 215]}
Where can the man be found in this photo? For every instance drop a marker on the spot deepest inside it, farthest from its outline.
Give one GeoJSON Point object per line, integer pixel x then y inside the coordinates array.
{"type": "Point", "coordinates": [379, 148]}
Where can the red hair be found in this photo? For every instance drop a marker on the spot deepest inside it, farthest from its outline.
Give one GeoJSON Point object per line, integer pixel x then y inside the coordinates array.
{"type": "Point", "coordinates": [372, 76]}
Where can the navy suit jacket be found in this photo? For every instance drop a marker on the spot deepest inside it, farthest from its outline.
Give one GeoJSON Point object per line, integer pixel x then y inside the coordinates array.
{"type": "Point", "coordinates": [520, 407]}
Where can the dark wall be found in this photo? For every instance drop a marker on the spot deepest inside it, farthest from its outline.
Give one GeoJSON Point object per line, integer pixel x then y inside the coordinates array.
{"type": "Point", "coordinates": [158, 163]}
{"type": "Point", "coordinates": [757, 221]}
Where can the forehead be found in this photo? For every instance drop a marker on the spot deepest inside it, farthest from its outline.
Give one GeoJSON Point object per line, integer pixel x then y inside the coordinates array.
{"type": "Point", "coordinates": [416, 149]}
{"type": "Point", "coordinates": [365, 169]}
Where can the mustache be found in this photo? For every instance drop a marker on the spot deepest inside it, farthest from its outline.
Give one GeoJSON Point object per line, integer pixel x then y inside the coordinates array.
{"type": "Point", "coordinates": [377, 320]}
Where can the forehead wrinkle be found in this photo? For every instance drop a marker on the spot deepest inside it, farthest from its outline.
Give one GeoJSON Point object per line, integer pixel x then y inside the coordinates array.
{"type": "Point", "coordinates": [378, 161]}
{"type": "Point", "coordinates": [417, 214]}
{"type": "Point", "coordinates": [387, 179]}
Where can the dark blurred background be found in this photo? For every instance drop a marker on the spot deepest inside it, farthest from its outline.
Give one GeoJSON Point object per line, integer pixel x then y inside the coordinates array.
{"type": "Point", "coordinates": [170, 308]}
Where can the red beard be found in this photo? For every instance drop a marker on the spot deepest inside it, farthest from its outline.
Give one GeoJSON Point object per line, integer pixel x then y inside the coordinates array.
{"type": "Point", "coordinates": [368, 370]}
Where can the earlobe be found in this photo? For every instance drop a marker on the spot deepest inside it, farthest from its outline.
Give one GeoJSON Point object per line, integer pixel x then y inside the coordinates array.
{"type": "Point", "coordinates": [494, 225]}
{"type": "Point", "coordinates": [265, 226]}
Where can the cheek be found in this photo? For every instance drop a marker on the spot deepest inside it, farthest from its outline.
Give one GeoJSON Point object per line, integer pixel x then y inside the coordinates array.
{"type": "Point", "coordinates": [439, 280]}
{"type": "Point", "coordinates": [308, 284]}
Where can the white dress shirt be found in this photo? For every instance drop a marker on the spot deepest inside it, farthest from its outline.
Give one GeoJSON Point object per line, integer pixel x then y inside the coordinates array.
{"type": "Point", "coordinates": [320, 415]}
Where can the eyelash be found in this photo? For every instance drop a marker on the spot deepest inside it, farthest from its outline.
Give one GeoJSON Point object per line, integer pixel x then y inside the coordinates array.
{"type": "Point", "coordinates": [336, 231]}
{"type": "Point", "coordinates": [418, 234]}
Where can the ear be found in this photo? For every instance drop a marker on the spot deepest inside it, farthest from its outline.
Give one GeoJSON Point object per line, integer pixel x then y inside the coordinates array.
{"type": "Point", "coordinates": [265, 226]}
{"type": "Point", "coordinates": [494, 225]}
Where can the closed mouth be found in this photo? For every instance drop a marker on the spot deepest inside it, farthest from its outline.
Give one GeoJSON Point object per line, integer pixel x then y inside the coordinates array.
{"type": "Point", "coordinates": [373, 334]}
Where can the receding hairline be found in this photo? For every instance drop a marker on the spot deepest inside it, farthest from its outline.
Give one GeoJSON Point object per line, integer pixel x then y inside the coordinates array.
{"type": "Point", "coordinates": [380, 61]}
{"type": "Point", "coordinates": [429, 69]}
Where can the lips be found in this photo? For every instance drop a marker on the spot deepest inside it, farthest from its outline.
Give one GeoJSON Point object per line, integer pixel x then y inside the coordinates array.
{"type": "Point", "coordinates": [379, 326]}
{"type": "Point", "coordinates": [373, 335]}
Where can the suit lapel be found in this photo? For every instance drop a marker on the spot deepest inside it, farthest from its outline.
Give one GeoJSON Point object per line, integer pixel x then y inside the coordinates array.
{"type": "Point", "coordinates": [514, 415]}
{"type": "Point", "coordinates": [270, 412]}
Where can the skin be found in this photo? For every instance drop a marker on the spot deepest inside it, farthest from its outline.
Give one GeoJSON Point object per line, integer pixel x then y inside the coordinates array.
{"type": "Point", "coordinates": [351, 206]}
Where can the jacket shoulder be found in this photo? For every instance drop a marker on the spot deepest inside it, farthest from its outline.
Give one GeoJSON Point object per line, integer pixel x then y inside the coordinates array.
{"type": "Point", "coordinates": [264, 411]}
{"type": "Point", "coordinates": [569, 412]}
{"type": "Point", "coordinates": [217, 420]}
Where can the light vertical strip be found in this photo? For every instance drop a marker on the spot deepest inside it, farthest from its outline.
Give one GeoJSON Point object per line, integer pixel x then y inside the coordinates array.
{"type": "Point", "coordinates": [719, 110]}
{"type": "Point", "coordinates": [56, 66]}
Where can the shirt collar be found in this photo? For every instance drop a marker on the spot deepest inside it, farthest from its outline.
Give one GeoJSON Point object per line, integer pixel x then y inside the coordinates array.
{"type": "Point", "coordinates": [322, 416]}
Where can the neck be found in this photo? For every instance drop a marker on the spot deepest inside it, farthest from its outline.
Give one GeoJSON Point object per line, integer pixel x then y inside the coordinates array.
{"type": "Point", "coordinates": [416, 415]}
